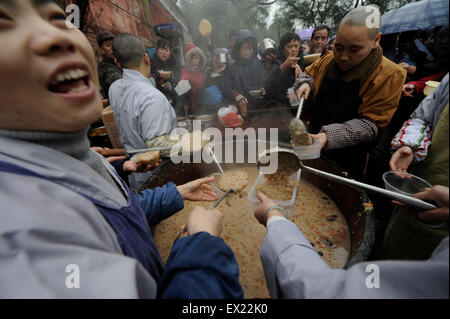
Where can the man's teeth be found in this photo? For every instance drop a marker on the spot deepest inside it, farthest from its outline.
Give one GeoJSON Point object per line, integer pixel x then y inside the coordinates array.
{"type": "Point", "coordinates": [78, 89]}
{"type": "Point", "coordinates": [69, 75]}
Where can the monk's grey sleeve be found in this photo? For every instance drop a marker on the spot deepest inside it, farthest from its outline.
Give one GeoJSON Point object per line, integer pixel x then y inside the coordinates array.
{"type": "Point", "coordinates": [294, 270]}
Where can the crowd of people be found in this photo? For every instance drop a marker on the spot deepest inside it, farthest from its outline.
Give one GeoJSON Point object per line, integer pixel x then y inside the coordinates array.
{"type": "Point", "coordinates": [64, 204]}
{"type": "Point", "coordinates": [224, 75]}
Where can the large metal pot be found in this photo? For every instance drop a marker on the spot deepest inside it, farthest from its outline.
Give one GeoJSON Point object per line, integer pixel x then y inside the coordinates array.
{"type": "Point", "coordinates": [354, 204]}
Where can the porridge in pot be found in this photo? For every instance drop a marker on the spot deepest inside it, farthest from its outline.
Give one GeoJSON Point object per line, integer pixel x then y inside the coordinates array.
{"type": "Point", "coordinates": [316, 215]}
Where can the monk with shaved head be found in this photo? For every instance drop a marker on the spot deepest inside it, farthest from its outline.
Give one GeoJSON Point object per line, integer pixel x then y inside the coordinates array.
{"type": "Point", "coordinates": [355, 93]}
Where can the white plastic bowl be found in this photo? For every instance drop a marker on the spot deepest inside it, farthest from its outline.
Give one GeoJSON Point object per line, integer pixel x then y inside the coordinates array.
{"type": "Point", "coordinates": [310, 151]}
{"type": "Point", "coordinates": [289, 206]}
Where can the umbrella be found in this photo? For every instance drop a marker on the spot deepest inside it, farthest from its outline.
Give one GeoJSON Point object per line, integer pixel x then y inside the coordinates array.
{"type": "Point", "coordinates": [421, 15]}
{"type": "Point", "coordinates": [305, 34]}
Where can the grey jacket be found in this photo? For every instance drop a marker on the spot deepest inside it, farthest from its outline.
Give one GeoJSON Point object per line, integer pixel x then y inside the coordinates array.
{"type": "Point", "coordinates": [293, 269]}
{"type": "Point", "coordinates": [142, 113]}
{"type": "Point", "coordinates": [46, 228]}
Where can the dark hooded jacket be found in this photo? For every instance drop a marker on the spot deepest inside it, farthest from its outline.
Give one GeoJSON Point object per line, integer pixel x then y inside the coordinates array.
{"type": "Point", "coordinates": [108, 72]}
{"type": "Point", "coordinates": [243, 75]}
{"type": "Point", "coordinates": [167, 87]}
{"type": "Point", "coordinates": [170, 65]}
{"type": "Point", "coordinates": [279, 82]}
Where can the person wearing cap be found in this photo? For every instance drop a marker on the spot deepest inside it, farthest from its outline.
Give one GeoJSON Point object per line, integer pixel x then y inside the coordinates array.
{"type": "Point", "coordinates": [355, 94]}
{"type": "Point", "coordinates": [108, 71]}
{"type": "Point", "coordinates": [269, 58]}
{"type": "Point", "coordinates": [215, 73]}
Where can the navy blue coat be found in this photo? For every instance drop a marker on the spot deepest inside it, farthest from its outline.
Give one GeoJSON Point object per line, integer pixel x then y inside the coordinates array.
{"type": "Point", "coordinates": [242, 76]}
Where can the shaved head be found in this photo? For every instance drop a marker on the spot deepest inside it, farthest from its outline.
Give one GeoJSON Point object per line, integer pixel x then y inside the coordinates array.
{"type": "Point", "coordinates": [364, 16]}
{"type": "Point", "coordinates": [128, 50]}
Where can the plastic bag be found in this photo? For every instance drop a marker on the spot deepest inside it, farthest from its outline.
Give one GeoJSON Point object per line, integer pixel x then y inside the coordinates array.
{"type": "Point", "coordinates": [229, 117]}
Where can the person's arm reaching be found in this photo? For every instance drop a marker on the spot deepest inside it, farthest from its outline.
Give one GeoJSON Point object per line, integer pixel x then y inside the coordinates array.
{"type": "Point", "coordinates": [201, 266]}
{"type": "Point", "coordinates": [294, 270]}
{"type": "Point", "coordinates": [162, 202]}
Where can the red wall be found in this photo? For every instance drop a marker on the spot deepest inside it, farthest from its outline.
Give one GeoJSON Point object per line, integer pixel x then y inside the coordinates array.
{"type": "Point", "coordinates": [159, 14]}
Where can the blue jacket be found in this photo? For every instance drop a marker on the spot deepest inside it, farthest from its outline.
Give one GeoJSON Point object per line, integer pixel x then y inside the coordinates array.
{"type": "Point", "coordinates": [201, 266]}
{"type": "Point", "coordinates": [160, 203]}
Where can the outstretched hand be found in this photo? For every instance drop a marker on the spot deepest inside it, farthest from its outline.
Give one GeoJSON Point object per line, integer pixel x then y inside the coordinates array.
{"type": "Point", "coordinates": [401, 159]}
{"type": "Point", "coordinates": [198, 190]}
{"type": "Point", "coordinates": [131, 166]}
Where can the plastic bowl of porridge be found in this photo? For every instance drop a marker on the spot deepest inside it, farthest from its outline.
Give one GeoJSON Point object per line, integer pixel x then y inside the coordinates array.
{"type": "Point", "coordinates": [277, 192]}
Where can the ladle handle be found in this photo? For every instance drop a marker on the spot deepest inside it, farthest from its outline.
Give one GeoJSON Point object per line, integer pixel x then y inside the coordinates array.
{"type": "Point", "coordinates": [215, 160]}
{"type": "Point", "coordinates": [300, 107]}
{"type": "Point", "coordinates": [221, 198]}
{"type": "Point", "coordinates": [143, 150]}
{"type": "Point", "coordinates": [412, 201]}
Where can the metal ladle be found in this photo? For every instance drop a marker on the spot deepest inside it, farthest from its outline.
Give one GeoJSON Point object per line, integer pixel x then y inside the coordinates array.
{"type": "Point", "coordinates": [297, 128]}
{"type": "Point", "coordinates": [215, 160]}
{"type": "Point", "coordinates": [412, 201]}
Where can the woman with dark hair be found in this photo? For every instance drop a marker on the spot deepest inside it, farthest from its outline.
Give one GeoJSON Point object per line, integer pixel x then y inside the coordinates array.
{"type": "Point", "coordinates": [292, 65]}
{"type": "Point", "coordinates": [244, 77]}
{"type": "Point", "coordinates": [167, 69]}
{"type": "Point", "coordinates": [164, 60]}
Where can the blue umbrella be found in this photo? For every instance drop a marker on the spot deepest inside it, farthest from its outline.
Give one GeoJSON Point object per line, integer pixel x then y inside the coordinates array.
{"type": "Point", "coordinates": [305, 34]}
{"type": "Point", "coordinates": [421, 15]}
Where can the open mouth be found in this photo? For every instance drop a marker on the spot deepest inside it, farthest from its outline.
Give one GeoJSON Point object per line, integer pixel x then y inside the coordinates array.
{"type": "Point", "coordinates": [70, 81]}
